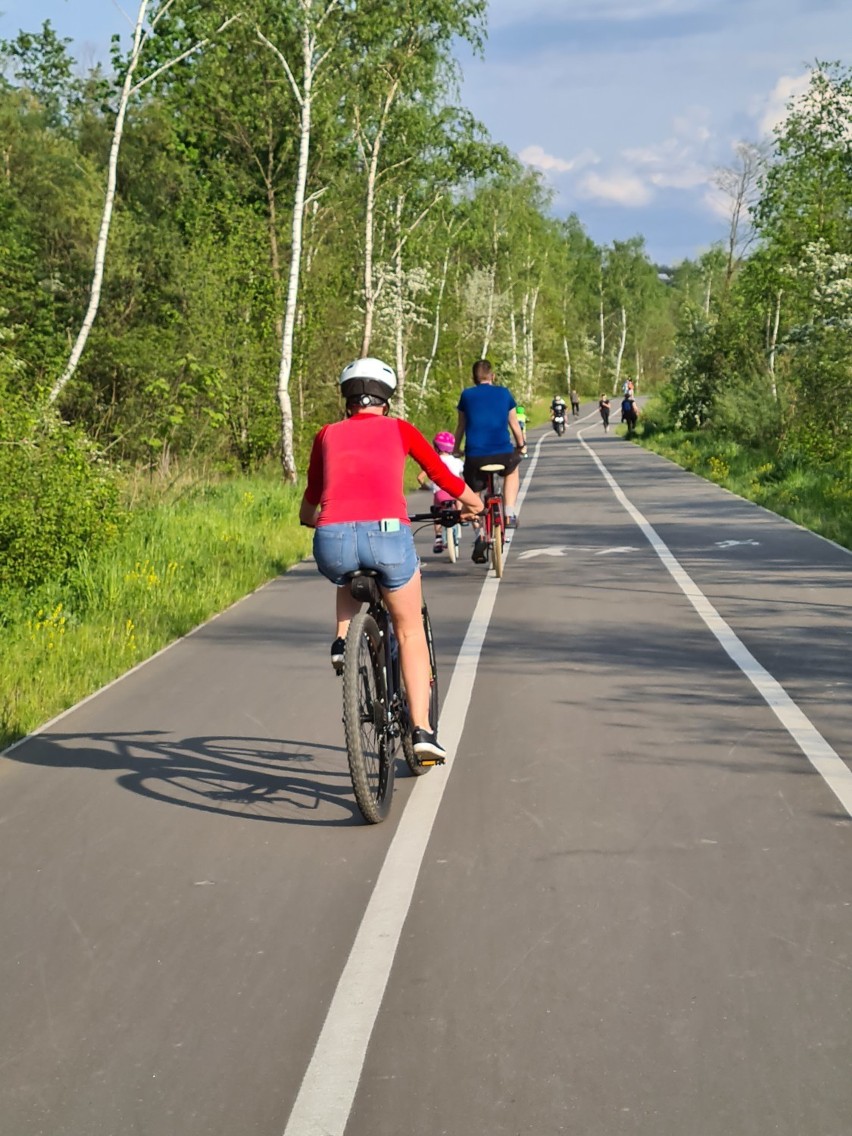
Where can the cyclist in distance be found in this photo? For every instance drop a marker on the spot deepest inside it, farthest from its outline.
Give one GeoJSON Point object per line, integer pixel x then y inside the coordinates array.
{"type": "Point", "coordinates": [557, 407]}
{"type": "Point", "coordinates": [444, 444]}
{"type": "Point", "coordinates": [629, 413]}
{"type": "Point", "coordinates": [521, 412]}
{"type": "Point", "coordinates": [355, 501]}
{"type": "Point", "coordinates": [489, 419]}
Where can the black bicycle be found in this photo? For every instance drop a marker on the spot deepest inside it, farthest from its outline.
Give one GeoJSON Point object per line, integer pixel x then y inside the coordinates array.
{"type": "Point", "coordinates": [376, 719]}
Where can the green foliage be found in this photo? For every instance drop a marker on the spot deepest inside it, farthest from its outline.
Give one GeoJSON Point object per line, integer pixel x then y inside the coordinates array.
{"type": "Point", "coordinates": [763, 359]}
{"type": "Point", "coordinates": [58, 499]}
{"type": "Point", "coordinates": [183, 359]}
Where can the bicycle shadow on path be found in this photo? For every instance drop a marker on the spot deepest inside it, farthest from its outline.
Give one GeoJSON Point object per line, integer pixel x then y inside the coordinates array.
{"type": "Point", "coordinates": [281, 780]}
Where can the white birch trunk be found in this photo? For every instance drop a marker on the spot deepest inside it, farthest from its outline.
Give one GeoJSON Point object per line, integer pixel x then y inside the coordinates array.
{"type": "Point", "coordinates": [304, 97]}
{"type": "Point", "coordinates": [773, 344]}
{"type": "Point", "coordinates": [288, 459]}
{"type": "Point", "coordinates": [369, 219]}
{"type": "Point", "coordinates": [531, 355]}
{"type": "Point", "coordinates": [514, 333]}
{"type": "Point", "coordinates": [399, 309]}
{"type": "Point", "coordinates": [106, 218]}
{"type": "Point", "coordinates": [128, 89]}
{"type": "Point", "coordinates": [602, 343]}
{"type": "Point", "coordinates": [621, 345]}
{"type": "Point", "coordinates": [424, 382]}
{"type": "Point", "coordinates": [567, 359]}
{"type": "Point", "coordinates": [489, 315]}
{"type": "Point", "coordinates": [524, 344]}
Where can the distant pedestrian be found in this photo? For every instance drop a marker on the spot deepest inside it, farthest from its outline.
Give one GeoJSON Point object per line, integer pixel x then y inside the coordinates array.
{"type": "Point", "coordinates": [575, 403]}
{"type": "Point", "coordinates": [603, 407]}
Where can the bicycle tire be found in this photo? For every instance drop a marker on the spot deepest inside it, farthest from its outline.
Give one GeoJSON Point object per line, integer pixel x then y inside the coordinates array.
{"type": "Point", "coordinates": [453, 543]}
{"type": "Point", "coordinates": [407, 745]}
{"type": "Point", "coordinates": [365, 707]}
{"type": "Point", "coordinates": [497, 551]}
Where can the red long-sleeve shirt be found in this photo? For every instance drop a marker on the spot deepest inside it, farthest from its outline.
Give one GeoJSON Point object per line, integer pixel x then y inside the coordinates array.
{"type": "Point", "coordinates": [356, 469]}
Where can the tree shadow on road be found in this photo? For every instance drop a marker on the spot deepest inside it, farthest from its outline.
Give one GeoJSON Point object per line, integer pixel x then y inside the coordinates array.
{"type": "Point", "coordinates": [283, 781]}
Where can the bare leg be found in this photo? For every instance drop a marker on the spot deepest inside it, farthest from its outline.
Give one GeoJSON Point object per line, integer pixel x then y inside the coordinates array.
{"type": "Point", "coordinates": [511, 485]}
{"type": "Point", "coordinates": [347, 607]}
{"type": "Point", "coordinates": [405, 606]}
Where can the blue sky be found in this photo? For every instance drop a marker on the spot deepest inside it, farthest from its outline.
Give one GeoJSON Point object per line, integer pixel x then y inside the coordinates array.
{"type": "Point", "coordinates": [626, 106]}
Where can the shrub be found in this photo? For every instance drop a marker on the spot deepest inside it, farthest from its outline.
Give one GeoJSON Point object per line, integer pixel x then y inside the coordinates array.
{"type": "Point", "coordinates": [58, 498]}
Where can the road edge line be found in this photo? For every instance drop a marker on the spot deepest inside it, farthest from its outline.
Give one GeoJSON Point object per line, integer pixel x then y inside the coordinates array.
{"type": "Point", "coordinates": [822, 756]}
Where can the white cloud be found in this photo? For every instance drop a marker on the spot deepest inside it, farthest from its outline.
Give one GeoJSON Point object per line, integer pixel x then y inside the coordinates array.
{"type": "Point", "coordinates": [681, 160]}
{"type": "Point", "coordinates": [538, 157]}
{"type": "Point", "coordinates": [771, 110]}
{"type": "Point", "coordinates": [621, 188]}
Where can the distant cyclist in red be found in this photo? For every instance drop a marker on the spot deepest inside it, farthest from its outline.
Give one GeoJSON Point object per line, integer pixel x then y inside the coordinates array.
{"type": "Point", "coordinates": [355, 500]}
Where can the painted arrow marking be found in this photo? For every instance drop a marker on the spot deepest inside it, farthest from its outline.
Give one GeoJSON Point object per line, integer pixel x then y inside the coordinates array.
{"type": "Point", "coordinates": [553, 550]}
{"type": "Point", "coordinates": [621, 548]}
{"type": "Point", "coordinates": [734, 543]}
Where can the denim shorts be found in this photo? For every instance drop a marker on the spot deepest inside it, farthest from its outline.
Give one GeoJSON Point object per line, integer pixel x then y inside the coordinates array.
{"type": "Point", "coordinates": [342, 549]}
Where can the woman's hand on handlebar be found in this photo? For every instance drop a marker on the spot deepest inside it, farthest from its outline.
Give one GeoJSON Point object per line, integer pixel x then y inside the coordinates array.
{"type": "Point", "coordinates": [468, 512]}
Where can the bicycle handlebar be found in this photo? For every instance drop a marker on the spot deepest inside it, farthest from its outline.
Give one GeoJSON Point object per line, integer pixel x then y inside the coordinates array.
{"type": "Point", "coordinates": [445, 517]}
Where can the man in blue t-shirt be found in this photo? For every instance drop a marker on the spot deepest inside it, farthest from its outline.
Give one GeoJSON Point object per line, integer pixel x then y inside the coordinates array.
{"type": "Point", "coordinates": [488, 418]}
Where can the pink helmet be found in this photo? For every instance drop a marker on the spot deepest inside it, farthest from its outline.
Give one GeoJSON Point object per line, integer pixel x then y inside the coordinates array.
{"type": "Point", "coordinates": [444, 442]}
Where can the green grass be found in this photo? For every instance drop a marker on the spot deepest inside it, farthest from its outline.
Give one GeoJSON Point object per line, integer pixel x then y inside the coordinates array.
{"type": "Point", "coordinates": [179, 559]}
{"type": "Point", "coordinates": [816, 495]}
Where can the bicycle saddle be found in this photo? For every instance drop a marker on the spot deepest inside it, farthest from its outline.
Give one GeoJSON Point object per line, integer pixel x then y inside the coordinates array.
{"type": "Point", "coordinates": [363, 586]}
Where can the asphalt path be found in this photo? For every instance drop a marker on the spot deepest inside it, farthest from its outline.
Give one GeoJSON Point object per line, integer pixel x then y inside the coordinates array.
{"type": "Point", "coordinates": [633, 910]}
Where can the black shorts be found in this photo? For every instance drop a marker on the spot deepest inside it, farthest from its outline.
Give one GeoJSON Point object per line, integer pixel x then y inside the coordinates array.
{"type": "Point", "coordinates": [473, 465]}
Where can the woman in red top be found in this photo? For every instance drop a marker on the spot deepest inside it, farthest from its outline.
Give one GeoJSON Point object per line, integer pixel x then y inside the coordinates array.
{"type": "Point", "coordinates": [355, 500]}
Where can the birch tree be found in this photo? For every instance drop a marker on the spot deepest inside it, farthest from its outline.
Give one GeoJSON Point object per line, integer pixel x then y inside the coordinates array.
{"type": "Point", "coordinates": [405, 46]}
{"type": "Point", "coordinates": [739, 184]}
{"type": "Point", "coordinates": [312, 18]}
{"type": "Point", "coordinates": [129, 88]}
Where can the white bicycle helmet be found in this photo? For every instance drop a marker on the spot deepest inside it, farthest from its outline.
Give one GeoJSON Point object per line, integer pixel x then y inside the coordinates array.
{"type": "Point", "coordinates": [369, 378]}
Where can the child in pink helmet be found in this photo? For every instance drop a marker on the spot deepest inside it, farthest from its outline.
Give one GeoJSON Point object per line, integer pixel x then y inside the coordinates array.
{"type": "Point", "coordinates": [444, 444]}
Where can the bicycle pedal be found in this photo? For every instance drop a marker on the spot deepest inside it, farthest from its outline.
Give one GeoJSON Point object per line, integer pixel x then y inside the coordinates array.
{"type": "Point", "coordinates": [427, 762]}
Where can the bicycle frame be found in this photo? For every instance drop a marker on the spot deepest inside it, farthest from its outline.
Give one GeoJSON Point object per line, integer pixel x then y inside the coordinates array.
{"type": "Point", "coordinates": [365, 589]}
{"type": "Point", "coordinates": [494, 517]}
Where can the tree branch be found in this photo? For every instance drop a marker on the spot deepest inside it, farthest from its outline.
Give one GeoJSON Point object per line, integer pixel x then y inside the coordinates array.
{"type": "Point", "coordinates": [277, 52]}
{"type": "Point", "coordinates": [180, 58]}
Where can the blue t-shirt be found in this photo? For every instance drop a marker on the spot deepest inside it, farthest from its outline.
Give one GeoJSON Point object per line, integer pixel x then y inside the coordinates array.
{"type": "Point", "coordinates": [486, 412]}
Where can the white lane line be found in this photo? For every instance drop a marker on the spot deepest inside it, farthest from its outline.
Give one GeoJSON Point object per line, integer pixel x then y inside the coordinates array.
{"type": "Point", "coordinates": [825, 760]}
{"type": "Point", "coordinates": [325, 1097]}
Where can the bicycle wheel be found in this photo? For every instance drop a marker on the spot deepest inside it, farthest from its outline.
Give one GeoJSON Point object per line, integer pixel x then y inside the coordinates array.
{"type": "Point", "coordinates": [497, 551]}
{"type": "Point", "coordinates": [407, 745]}
{"type": "Point", "coordinates": [365, 710]}
{"type": "Point", "coordinates": [453, 543]}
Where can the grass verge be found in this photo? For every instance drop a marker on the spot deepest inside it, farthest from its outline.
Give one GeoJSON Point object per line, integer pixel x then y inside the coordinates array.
{"type": "Point", "coordinates": [178, 560]}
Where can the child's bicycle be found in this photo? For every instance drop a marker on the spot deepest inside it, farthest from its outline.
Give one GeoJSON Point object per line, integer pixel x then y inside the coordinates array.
{"type": "Point", "coordinates": [376, 719]}
{"type": "Point", "coordinates": [452, 531]}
